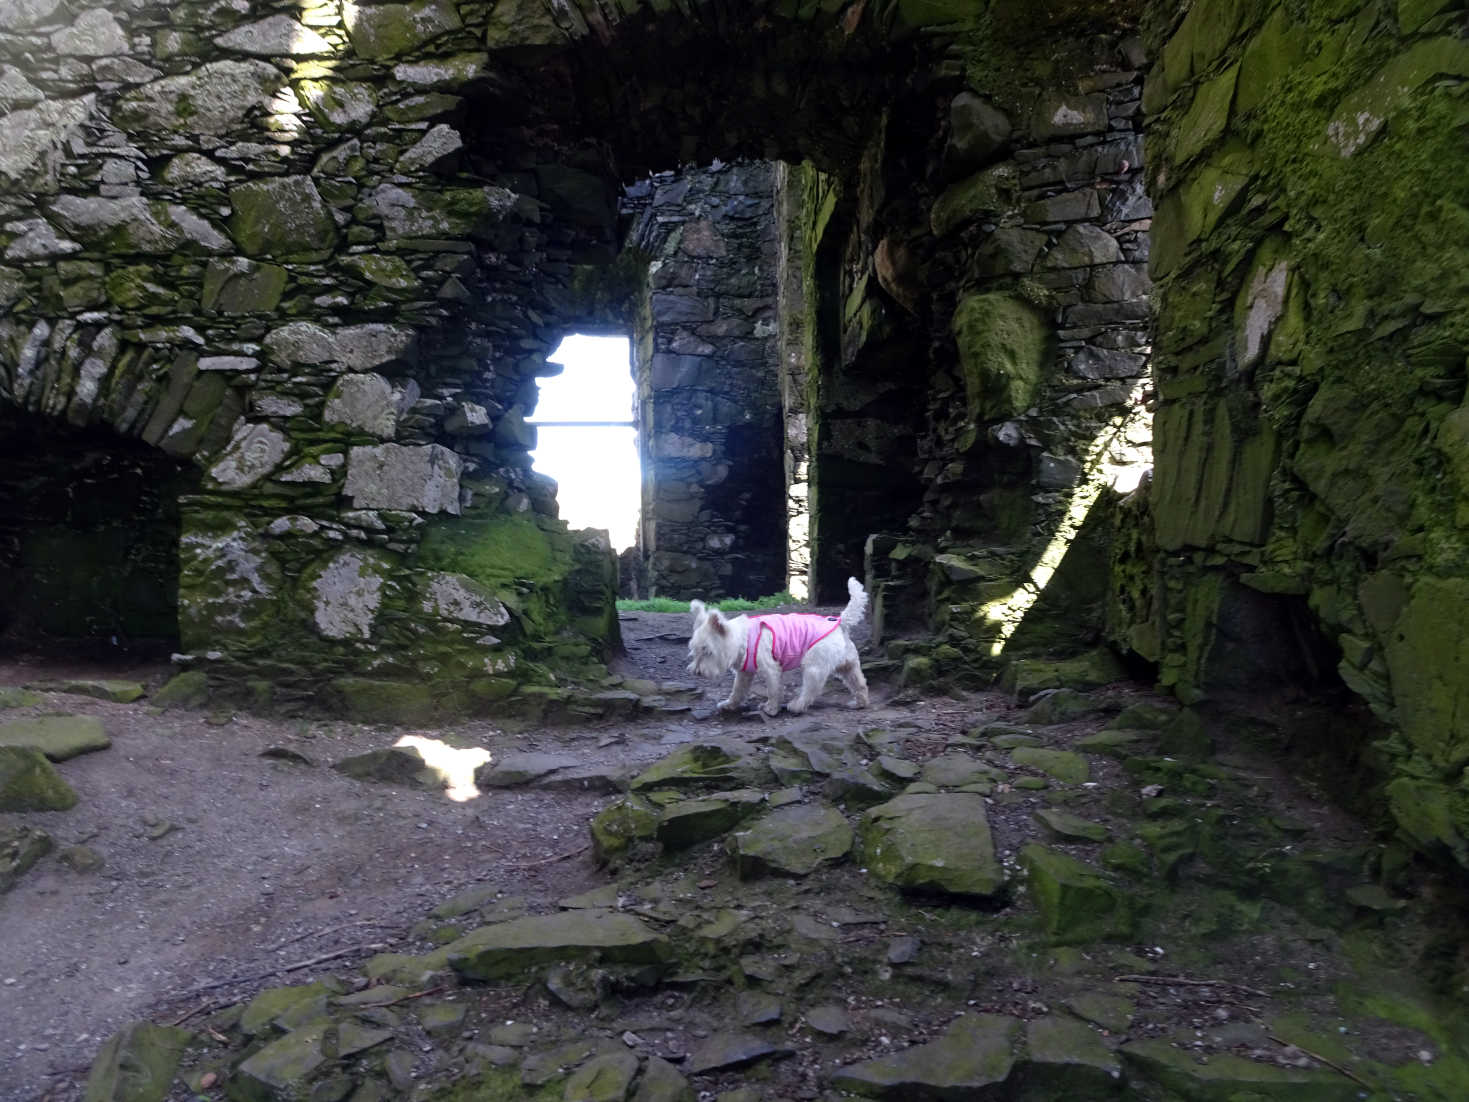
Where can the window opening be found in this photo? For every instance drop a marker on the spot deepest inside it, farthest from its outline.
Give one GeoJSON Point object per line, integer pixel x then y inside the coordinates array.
{"type": "Point", "coordinates": [586, 438]}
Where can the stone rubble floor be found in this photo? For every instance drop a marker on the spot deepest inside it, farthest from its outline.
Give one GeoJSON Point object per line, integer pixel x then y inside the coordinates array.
{"type": "Point", "coordinates": [798, 908]}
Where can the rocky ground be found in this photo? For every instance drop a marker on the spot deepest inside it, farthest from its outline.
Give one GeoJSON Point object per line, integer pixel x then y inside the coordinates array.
{"type": "Point", "coordinates": [1068, 889]}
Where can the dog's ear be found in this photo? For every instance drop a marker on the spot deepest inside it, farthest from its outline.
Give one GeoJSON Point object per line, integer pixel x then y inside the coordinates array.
{"type": "Point", "coordinates": [697, 608]}
{"type": "Point", "coordinates": [716, 621]}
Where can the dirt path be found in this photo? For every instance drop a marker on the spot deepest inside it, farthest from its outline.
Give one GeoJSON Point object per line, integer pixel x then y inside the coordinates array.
{"type": "Point", "coordinates": [221, 863]}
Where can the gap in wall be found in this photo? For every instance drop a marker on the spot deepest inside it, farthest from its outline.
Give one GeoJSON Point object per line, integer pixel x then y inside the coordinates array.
{"type": "Point", "coordinates": [586, 438]}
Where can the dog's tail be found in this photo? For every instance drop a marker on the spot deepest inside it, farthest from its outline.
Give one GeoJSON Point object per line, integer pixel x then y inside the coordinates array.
{"type": "Point", "coordinates": [856, 608]}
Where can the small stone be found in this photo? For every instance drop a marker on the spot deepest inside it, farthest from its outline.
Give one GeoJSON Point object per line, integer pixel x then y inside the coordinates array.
{"type": "Point", "coordinates": [727, 1050]}
{"type": "Point", "coordinates": [829, 1019]}
{"type": "Point", "coordinates": [757, 1008]}
{"type": "Point", "coordinates": [903, 950]}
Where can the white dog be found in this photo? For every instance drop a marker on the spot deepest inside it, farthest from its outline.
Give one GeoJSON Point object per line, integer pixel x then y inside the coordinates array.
{"type": "Point", "coordinates": [769, 645]}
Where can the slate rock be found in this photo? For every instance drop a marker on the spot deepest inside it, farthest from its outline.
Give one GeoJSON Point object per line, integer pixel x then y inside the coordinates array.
{"type": "Point", "coordinates": [284, 1067]}
{"type": "Point", "coordinates": [1064, 765]}
{"type": "Point", "coordinates": [119, 692]}
{"type": "Point", "coordinates": [399, 765]}
{"type": "Point", "coordinates": [798, 756]}
{"type": "Point", "coordinates": [137, 1064]}
{"type": "Point", "coordinates": [1060, 706]}
{"type": "Point", "coordinates": [716, 765]}
{"type": "Point", "coordinates": [952, 770]}
{"type": "Point", "coordinates": [20, 848]}
{"type": "Point", "coordinates": [58, 737]}
{"type": "Point", "coordinates": [791, 841]}
{"type": "Point", "coordinates": [507, 948]}
{"type": "Point", "coordinates": [757, 1008]}
{"type": "Point", "coordinates": [829, 1019]}
{"type": "Point", "coordinates": [1111, 1012]}
{"type": "Point", "coordinates": [1071, 828]}
{"type": "Point", "coordinates": [1227, 1076]}
{"type": "Point", "coordinates": [662, 1082]}
{"type": "Point", "coordinates": [939, 842]}
{"type": "Point", "coordinates": [1077, 903]}
{"type": "Point", "coordinates": [689, 822]}
{"type": "Point", "coordinates": [972, 1057]}
{"type": "Point", "coordinates": [903, 949]}
{"type": "Point", "coordinates": [521, 767]}
{"type": "Point", "coordinates": [605, 1078]}
{"type": "Point", "coordinates": [725, 1050]}
{"type": "Point", "coordinates": [28, 782]}
{"type": "Point", "coordinates": [899, 768]}
{"type": "Point", "coordinates": [1067, 1059]}
{"type": "Point", "coordinates": [620, 824]}
{"type": "Point", "coordinates": [977, 130]}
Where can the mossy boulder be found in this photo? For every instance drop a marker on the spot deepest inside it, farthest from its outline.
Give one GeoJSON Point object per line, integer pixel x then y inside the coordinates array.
{"type": "Point", "coordinates": [284, 1068]}
{"type": "Point", "coordinates": [137, 1064]}
{"type": "Point", "coordinates": [1065, 1058]}
{"type": "Point", "coordinates": [933, 842]}
{"type": "Point", "coordinates": [1004, 350]}
{"type": "Point", "coordinates": [617, 826]}
{"type": "Point", "coordinates": [970, 1060]}
{"type": "Point", "coordinates": [986, 194]}
{"type": "Point", "coordinates": [1025, 677]}
{"type": "Point", "coordinates": [58, 737]}
{"type": "Point", "coordinates": [18, 698]}
{"type": "Point", "coordinates": [266, 1010]}
{"type": "Point", "coordinates": [791, 841]}
{"type": "Point", "coordinates": [606, 1078]}
{"type": "Point", "coordinates": [1077, 902]}
{"type": "Point", "coordinates": [509, 948]}
{"type": "Point", "coordinates": [189, 689]}
{"type": "Point", "coordinates": [715, 765]}
{"type": "Point", "coordinates": [1071, 828]}
{"type": "Point", "coordinates": [1061, 706]}
{"type": "Point", "coordinates": [28, 782]}
{"type": "Point", "coordinates": [284, 217]}
{"type": "Point", "coordinates": [689, 822]}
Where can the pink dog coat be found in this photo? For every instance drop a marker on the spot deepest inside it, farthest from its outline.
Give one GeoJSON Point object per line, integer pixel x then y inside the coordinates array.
{"type": "Point", "coordinates": [792, 634]}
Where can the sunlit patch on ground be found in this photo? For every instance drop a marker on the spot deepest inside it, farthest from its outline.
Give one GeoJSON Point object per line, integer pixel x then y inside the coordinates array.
{"type": "Point", "coordinates": [456, 766]}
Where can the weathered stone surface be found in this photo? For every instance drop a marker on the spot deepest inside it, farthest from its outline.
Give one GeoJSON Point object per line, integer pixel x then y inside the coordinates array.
{"type": "Point", "coordinates": [602, 1079]}
{"type": "Point", "coordinates": [1071, 828]}
{"type": "Point", "coordinates": [18, 698]}
{"type": "Point", "coordinates": [712, 765]}
{"type": "Point", "coordinates": [396, 476]}
{"type": "Point", "coordinates": [253, 453]}
{"type": "Point", "coordinates": [1227, 1076]}
{"type": "Point", "coordinates": [284, 1066]}
{"type": "Point", "coordinates": [363, 401]}
{"type": "Point", "coordinates": [662, 1082]}
{"type": "Point", "coordinates": [389, 30]}
{"type": "Point", "coordinates": [213, 99]}
{"type": "Point", "coordinates": [28, 782]}
{"type": "Point", "coordinates": [493, 952]}
{"type": "Point", "coordinates": [135, 225]}
{"type": "Point", "coordinates": [791, 841]}
{"type": "Point", "coordinates": [282, 217]}
{"type": "Point", "coordinates": [977, 131]}
{"type": "Point", "coordinates": [1067, 116]}
{"type": "Point", "coordinates": [20, 848]}
{"type": "Point", "coordinates": [974, 1056]}
{"type": "Point", "coordinates": [1004, 350]}
{"type": "Point", "coordinates": [689, 822]}
{"type": "Point", "coordinates": [58, 737]}
{"type": "Point", "coordinates": [1064, 765]}
{"type": "Point", "coordinates": [984, 195]}
{"type": "Point", "coordinates": [722, 1051]}
{"type": "Point", "coordinates": [393, 765]}
{"type": "Point", "coordinates": [115, 690]}
{"type": "Point", "coordinates": [1077, 903]}
{"type": "Point", "coordinates": [137, 1064]}
{"type": "Point", "coordinates": [1068, 1057]}
{"type": "Point", "coordinates": [275, 36]}
{"type": "Point", "coordinates": [954, 770]}
{"type": "Point", "coordinates": [347, 592]}
{"type": "Point", "coordinates": [933, 842]}
{"type": "Point", "coordinates": [618, 825]}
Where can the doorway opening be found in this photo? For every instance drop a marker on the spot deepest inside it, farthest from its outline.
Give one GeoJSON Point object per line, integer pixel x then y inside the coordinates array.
{"type": "Point", "coordinates": [586, 436]}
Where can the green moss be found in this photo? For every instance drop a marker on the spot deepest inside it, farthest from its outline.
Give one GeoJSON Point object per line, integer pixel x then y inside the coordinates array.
{"type": "Point", "coordinates": [1004, 350]}
{"type": "Point", "coordinates": [1077, 903]}
{"type": "Point", "coordinates": [28, 782]}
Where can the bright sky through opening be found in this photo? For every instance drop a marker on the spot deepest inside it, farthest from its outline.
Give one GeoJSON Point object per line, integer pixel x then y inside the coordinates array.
{"type": "Point", "coordinates": [596, 467]}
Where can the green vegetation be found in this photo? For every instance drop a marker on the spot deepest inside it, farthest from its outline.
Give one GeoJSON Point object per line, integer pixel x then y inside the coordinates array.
{"type": "Point", "coordinates": [729, 604]}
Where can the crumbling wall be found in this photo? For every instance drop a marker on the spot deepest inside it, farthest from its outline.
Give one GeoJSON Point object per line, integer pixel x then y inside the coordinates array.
{"type": "Point", "coordinates": [1308, 508]}
{"type": "Point", "coordinates": [709, 405]}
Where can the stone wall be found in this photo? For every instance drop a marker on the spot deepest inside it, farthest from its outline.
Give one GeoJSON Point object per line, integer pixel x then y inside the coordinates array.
{"type": "Point", "coordinates": [1307, 517]}
{"type": "Point", "coordinates": [709, 404]}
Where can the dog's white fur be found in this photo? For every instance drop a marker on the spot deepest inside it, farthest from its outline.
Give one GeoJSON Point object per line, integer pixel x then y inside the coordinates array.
{"type": "Point", "coordinates": [720, 643]}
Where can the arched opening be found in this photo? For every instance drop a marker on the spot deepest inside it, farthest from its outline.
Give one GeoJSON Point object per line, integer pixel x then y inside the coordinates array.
{"type": "Point", "coordinates": [586, 437]}
{"type": "Point", "coordinates": [89, 538]}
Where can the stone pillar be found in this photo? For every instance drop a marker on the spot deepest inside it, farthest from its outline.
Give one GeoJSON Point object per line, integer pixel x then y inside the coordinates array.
{"type": "Point", "coordinates": [709, 411]}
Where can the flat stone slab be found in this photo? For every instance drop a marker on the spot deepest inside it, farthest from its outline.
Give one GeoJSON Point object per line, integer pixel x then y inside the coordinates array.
{"type": "Point", "coordinates": [974, 1054]}
{"type": "Point", "coordinates": [606, 1078]}
{"type": "Point", "coordinates": [504, 949]}
{"type": "Point", "coordinates": [689, 822]}
{"type": "Point", "coordinates": [119, 692]}
{"type": "Point", "coordinates": [933, 842]}
{"type": "Point", "coordinates": [141, 1056]}
{"type": "Point", "coordinates": [1077, 903]}
{"type": "Point", "coordinates": [791, 841]}
{"type": "Point", "coordinates": [1064, 765]}
{"type": "Point", "coordinates": [717, 764]}
{"type": "Point", "coordinates": [733, 1050]}
{"type": "Point", "coordinates": [11, 697]}
{"type": "Point", "coordinates": [1068, 1056]}
{"type": "Point", "coordinates": [1071, 828]}
{"type": "Point", "coordinates": [58, 737]}
{"type": "Point", "coordinates": [1226, 1076]}
{"type": "Point", "coordinates": [400, 765]}
{"type": "Point", "coordinates": [955, 770]}
{"type": "Point", "coordinates": [522, 767]}
{"type": "Point", "coordinates": [28, 782]}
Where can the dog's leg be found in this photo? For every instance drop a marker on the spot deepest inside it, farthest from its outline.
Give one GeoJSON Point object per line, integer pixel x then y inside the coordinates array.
{"type": "Point", "coordinates": [851, 675]}
{"type": "Point", "coordinates": [813, 677]}
{"type": "Point", "coordinates": [770, 672]}
{"type": "Point", "coordinates": [737, 692]}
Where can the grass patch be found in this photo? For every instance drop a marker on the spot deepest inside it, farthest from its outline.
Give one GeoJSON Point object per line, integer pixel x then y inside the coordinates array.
{"type": "Point", "coordinates": [729, 604]}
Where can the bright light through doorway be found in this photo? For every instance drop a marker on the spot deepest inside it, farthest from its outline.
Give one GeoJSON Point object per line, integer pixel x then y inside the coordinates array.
{"type": "Point", "coordinates": [595, 466]}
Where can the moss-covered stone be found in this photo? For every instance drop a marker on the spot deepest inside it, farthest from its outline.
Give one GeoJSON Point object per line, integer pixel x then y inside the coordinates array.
{"type": "Point", "coordinates": [791, 841]}
{"type": "Point", "coordinates": [58, 737]}
{"type": "Point", "coordinates": [620, 824]}
{"type": "Point", "coordinates": [136, 1064]}
{"type": "Point", "coordinates": [714, 765]}
{"type": "Point", "coordinates": [117, 691]}
{"type": "Point", "coordinates": [1226, 1077]}
{"type": "Point", "coordinates": [20, 848]}
{"type": "Point", "coordinates": [690, 822]}
{"type": "Point", "coordinates": [1063, 765]}
{"type": "Point", "coordinates": [28, 782]}
{"type": "Point", "coordinates": [1076, 902]}
{"type": "Point", "coordinates": [18, 698]}
{"type": "Point", "coordinates": [189, 689]}
{"type": "Point", "coordinates": [1071, 828]}
{"type": "Point", "coordinates": [934, 843]}
{"type": "Point", "coordinates": [1025, 677]}
{"type": "Point", "coordinates": [972, 1057]}
{"type": "Point", "coordinates": [284, 217]}
{"type": "Point", "coordinates": [505, 949]}
{"type": "Point", "coordinates": [1004, 350]}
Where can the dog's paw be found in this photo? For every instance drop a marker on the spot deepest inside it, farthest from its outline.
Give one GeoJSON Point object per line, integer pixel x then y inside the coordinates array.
{"type": "Point", "coordinates": [859, 703]}
{"type": "Point", "coordinates": [771, 708]}
{"type": "Point", "coordinates": [727, 705]}
{"type": "Point", "coordinates": [795, 707]}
